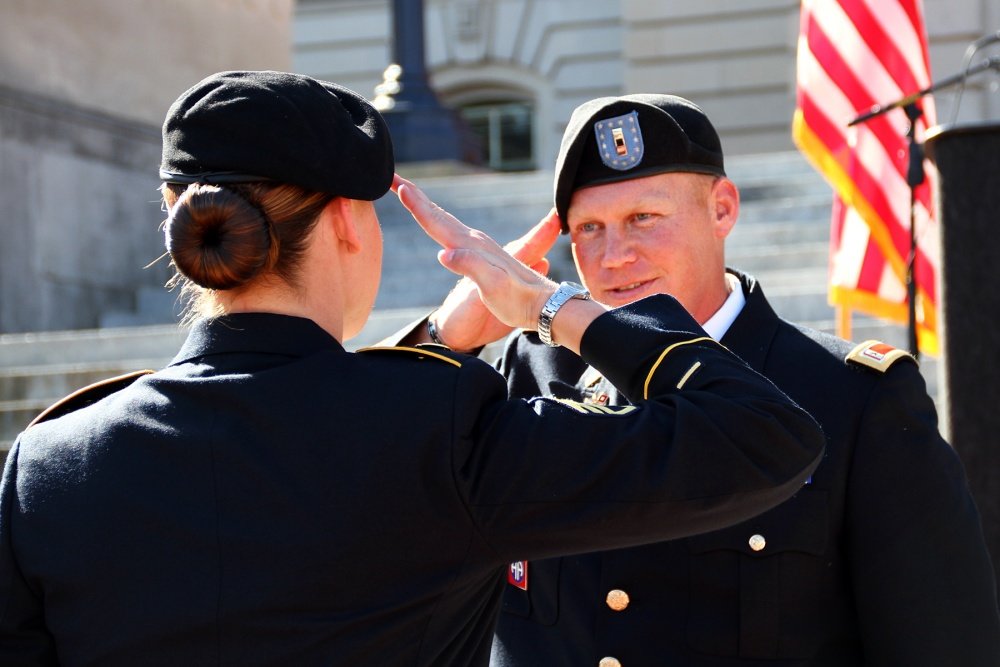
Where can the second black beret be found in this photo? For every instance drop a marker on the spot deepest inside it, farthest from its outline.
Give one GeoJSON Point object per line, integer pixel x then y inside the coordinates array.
{"type": "Point", "coordinates": [244, 126]}
{"type": "Point", "coordinates": [611, 139]}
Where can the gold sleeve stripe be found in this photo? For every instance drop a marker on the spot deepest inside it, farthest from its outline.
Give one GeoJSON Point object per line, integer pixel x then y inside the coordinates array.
{"type": "Point", "coordinates": [687, 376]}
{"type": "Point", "coordinates": [414, 350]}
{"type": "Point", "coordinates": [579, 407]}
{"type": "Point", "coordinates": [663, 355]}
{"type": "Point", "coordinates": [590, 408]}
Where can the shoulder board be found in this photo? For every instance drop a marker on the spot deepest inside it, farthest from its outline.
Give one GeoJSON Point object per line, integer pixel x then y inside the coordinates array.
{"type": "Point", "coordinates": [430, 351]}
{"type": "Point", "coordinates": [877, 355]}
{"type": "Point", "coordinates": [81, 398]}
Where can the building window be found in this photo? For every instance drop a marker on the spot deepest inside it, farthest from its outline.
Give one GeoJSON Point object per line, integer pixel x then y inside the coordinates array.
{"type": "Point", "coordinates": [503, 131]}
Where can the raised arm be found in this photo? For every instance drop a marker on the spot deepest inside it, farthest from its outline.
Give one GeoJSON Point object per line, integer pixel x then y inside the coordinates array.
{"type": "Point", "coordinates": [499, 292]}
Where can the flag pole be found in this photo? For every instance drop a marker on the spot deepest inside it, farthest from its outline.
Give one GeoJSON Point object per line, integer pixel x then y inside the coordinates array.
{"type": "Point", "coordinates": [843, 314]}
{"type": "Point", "coordinates": [914, 177]}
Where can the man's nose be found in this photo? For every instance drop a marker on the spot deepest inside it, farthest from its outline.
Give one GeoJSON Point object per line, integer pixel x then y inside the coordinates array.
{"type": "Point", "coordinates": [618, 250]}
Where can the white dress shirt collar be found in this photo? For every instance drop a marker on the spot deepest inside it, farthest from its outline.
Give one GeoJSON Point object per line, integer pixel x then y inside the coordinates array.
{"type": "Point", "coordinates": [718, 324]}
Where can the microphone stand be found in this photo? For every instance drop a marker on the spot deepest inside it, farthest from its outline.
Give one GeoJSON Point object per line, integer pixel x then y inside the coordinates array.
{"type": "Point", "coordinates": [915, 172]}
{"type": "Point", "coordinates": [879, 109]}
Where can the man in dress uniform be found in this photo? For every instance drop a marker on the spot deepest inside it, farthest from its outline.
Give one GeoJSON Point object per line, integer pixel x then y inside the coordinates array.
{"type": "Point", "coordinates": [879, 559]}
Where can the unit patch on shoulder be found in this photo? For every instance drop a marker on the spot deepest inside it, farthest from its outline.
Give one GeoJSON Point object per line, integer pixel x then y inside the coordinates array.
{"type": "Point", "coordinates": [517, 574]}
{"type": "Point", "coordinates": [878, 355]}
{"type": "Point", "coordinates": [90, 394]}
{"type": "Point", "coordinates": [439, 352]}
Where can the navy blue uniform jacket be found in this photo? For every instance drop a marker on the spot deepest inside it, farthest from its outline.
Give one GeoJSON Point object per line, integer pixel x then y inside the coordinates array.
{"type": "Point", "coordinates": [271, 499]}
{"type": "Point", "coordinates": [878, 560]}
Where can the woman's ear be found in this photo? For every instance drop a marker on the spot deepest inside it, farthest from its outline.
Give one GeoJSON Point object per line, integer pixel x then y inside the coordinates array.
{"type": "Point", "coordinates": [340, 214]}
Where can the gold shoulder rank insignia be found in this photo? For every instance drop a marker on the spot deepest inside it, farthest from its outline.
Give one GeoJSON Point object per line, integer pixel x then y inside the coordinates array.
{"type": "Point", "coordinates": [876, 354]}
{"type": "Point", "coordinates": [88, 395]}
{"type": "Point", "coordinates": [439, 352]}
{"type": "Point", "coordinates": [591, 408]}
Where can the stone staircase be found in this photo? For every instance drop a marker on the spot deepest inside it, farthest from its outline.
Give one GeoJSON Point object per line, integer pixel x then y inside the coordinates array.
{"type": "Point", "coordinates": [781, 238]}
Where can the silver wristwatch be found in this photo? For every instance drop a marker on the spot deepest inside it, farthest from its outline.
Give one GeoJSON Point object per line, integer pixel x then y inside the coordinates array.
{"type": "Point", "coordinates": [566, 291]}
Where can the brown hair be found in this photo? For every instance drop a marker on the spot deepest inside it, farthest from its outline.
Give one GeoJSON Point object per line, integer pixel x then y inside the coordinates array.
{"type": "Point", "coordinates": [222, 237]}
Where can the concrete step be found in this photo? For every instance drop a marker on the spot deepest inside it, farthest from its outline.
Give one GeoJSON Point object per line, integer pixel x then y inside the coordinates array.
{"type": "Point", "coordinates": [383, 323]}
{"type": "Point", "coordinates": [487, 190]}
{"type": "Point", "coordinates": [807, 211]}
{"type": "Point", "coordinates": [748, 233]}
{"type": "Point", "coordinates": [27, 390]}
{"type": "Point", "coordinates": [797, 280]}
{"type": "Point", "coordinates": [16, 415]}
{"type": "Point", "coordinates": [52, 381]}
{"type": "Point", "coordinates": [154, 305]}
{"type": "Point", "coordinates": [799, 306]}
{"type": "Point", "coordinates": [773, 168]}
{"type": "Point", "coordinates": [91, 345]}
{"type": "Point", "coordinates": [764, 258]}
{"type": "Point", "coordinates": [74, 353]}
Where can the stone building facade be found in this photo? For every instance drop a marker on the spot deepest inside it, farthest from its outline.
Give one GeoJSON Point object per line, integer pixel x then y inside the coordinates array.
{"type": "Point", "coordinates": [84, 85]}
{"type": "Point", "coordinates": [734, 58]}
{"type": "Point", "coordinates": [83, 90]}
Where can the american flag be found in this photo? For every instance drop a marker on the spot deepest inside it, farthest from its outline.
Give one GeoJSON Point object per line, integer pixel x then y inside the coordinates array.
{"type": "Point", "coordinates": [853, 55]}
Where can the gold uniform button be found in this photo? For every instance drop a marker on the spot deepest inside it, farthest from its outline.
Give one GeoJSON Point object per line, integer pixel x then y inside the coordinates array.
{"type": "Point", "coordinates": [609, 662]}
{"type": "Point", "coordinates": [617, 599]}
{"type": "Point", "coordinates": [757, 542]}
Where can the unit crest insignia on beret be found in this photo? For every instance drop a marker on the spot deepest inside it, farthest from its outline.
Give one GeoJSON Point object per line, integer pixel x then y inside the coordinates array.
{"type": "Point", "coordinates": [619, 141]}
{"type": "Point", "coordinates": [876, 354]}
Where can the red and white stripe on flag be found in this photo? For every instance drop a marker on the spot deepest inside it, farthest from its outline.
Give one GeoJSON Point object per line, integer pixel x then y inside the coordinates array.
{"type": "Point", "coordinates": [852, 55]}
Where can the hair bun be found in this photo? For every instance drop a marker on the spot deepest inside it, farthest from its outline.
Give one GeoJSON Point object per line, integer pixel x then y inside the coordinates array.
{"type": "Point", "coordinates": [217, 238]}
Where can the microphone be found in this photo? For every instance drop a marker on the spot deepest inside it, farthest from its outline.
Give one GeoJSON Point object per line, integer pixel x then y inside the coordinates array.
{"type": "Point", "coordinates": [983, 41]}
{"type": "Point", "coordinates": [967, 70]}
{"type": "Point", "coordinates": [970, 51]}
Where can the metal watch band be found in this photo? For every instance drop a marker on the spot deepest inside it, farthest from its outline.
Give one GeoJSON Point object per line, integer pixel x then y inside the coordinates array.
{"type": "Point", "coordinates": [566, 291]}
{"type": "Point", "coordinates": [432, 331]}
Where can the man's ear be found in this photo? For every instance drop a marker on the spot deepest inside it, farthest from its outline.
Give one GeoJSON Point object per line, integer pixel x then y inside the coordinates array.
{"type": "Point", "coordinates": [725, 203]}
{"type": "Point", "coordinates": [340, 214]}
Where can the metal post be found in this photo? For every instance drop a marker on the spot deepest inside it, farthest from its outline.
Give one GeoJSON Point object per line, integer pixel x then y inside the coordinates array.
{"type": "Point", "coordinates": [914, 177]}
{"type": "Point", "coordinates": [423, 130]}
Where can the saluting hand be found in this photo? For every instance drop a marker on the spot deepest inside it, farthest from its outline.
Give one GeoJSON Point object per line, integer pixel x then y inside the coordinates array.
{"type": "Point", "coordinates": [512, 292]}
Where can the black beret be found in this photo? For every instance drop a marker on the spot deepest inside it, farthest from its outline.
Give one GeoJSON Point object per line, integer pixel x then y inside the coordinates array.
{"type": "Point", "coordinates": [611, 139]}
{"type": "Point", "coordinates": [275, 126]}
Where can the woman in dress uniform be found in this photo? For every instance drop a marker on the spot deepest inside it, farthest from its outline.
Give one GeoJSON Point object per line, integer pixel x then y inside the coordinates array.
{"type": "Point", "coordinates": [269, 498]}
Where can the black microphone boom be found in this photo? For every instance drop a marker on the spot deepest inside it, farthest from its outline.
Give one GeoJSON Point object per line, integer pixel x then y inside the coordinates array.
{"type": "Point", "coordinates": [879, 109]}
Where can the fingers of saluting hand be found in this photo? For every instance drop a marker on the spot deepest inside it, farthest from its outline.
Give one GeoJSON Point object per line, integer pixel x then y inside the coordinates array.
{"type": "Point", "coordinates": [449, 232]}
{"type": "Point", "coordinates": [443, 227]}
{"type": "Point", "coordinates": [507, 287]}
